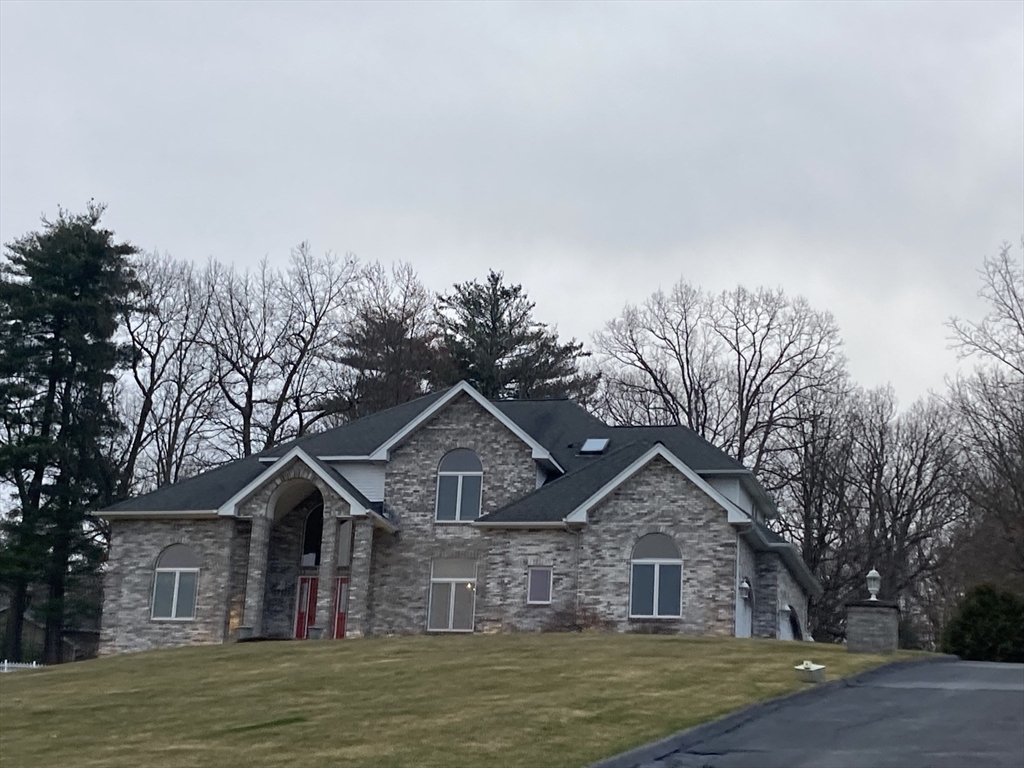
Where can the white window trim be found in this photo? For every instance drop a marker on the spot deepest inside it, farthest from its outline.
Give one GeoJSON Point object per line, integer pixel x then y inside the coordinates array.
{"type": "Point", "coordinates": [551, 585]}
{"type": "Point", "coordinates": [657, 563]}
{"type": "Point", "coordinates": [174, 599]}
{"type": "Point", "coordinates": [458, 498]}
{"type": "Point", "coordinates": [451, 601]}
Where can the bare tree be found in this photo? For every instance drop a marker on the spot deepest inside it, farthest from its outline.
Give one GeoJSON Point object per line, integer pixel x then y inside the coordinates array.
{"type": "Point", "coordinates": [270, 336]}
{"type": "Point", "coordinates": [999, 337]}
{"type": "Point", "coordinates": [990, 406]}
{"type": "Point", "coordinates": [662, 363]}
{"type": "Point", "coordinates": [169, 392]}
{"type": "Point", "coordinates": [733, 367]}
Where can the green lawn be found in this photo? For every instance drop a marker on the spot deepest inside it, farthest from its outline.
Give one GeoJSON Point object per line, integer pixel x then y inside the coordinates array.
{"type": "Point", "coordinates": [504, 700]}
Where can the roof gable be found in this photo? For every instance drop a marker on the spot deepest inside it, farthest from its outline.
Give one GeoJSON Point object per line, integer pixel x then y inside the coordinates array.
{"type": "Point", "coordinates": [357, 502]}
{"type": "Point", "coordinates": [539, 452]}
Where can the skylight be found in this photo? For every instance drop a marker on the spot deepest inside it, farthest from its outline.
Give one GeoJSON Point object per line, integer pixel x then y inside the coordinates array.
{"type": "Point", "coordinates": [594, 445]}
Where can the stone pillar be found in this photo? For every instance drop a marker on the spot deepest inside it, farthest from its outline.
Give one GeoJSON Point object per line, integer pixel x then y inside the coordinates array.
{"type": "Point", "coordinates": [256, 574]}
{"type": "Point", "coordinates": [872, 626]}
{"type": "Point", "coordinates": [765, 612]}
{"type": "Point", "coordinates": [328, 574]}
{"type": "Point", "coordinates": [357, 620]}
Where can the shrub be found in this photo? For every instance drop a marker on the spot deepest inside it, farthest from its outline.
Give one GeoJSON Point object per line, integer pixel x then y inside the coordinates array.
{"type": "Point", "coordinates": [988, 625]}
{"type": "Point", "coordinates": [586, 619]}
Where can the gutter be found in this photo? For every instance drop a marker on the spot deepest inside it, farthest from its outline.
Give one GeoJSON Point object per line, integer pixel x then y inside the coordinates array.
{"type": "Point", "coordinates": [560, 524]}
{"type": "Point", "coordinates": [161, 514]}
{"type": "Point", "coordinates": [792, 557]}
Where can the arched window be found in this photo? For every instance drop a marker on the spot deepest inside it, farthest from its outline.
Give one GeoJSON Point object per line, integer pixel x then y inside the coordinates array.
{"type": "Point", "coordinates": [176, 583]}
{"type": "Point", "coordinates": [459, 485]}
{"type": "Point", "coordinates": [312, 536]}
{"type": "Point", "coordinates": [655, 590]}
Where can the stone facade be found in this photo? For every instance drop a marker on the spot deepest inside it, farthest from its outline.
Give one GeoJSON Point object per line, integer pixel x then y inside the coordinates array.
{"type": "Point", "coordinates": [793, 596]}
{"type": "Point", "coordinates": [250, 564]}
{"type": "Point", "coordinates": [400, 572]}
{"type": "Point", "coordinates": [135, 546]}
{"type": "Point", "coordinates": [766, 594]}
{"type": "Point", "coordinates": [872, 626]}
{"type": "Point", "coordinates": [659, 499]}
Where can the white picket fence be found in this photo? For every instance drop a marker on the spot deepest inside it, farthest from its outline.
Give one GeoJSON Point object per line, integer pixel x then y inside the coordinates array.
{"type": "Point", "coordinates": [13, 666]}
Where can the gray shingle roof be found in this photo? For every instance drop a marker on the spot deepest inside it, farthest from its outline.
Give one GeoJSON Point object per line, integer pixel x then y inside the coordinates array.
{"type": "Point", "coordinates": [559, 425]}
{"type": "Point", "coordinates": [554, 500]}
{"type": "Point", "coordinates": [214, 487]}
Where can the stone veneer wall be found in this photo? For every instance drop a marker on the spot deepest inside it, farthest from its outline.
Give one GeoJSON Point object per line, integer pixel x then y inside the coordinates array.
{"type": "Point", "coordinates": [135, 546]}
{"type": "Point", "coordinates": [400, 570]}
{"type": "Point", "coordinates": [747, 569]}
{"type": "Point", "coordinates": [872, 626]}
{"type": "Point", "coordinates": [791, 593]}
{"type": "Point", "coordinates": [766, 594]}
{"type": "Point", "coordinates": [659, 498]}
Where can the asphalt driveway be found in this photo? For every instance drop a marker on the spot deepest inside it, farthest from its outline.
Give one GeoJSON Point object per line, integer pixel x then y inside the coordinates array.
{"type": "Point", "coordinates": [945, 714]}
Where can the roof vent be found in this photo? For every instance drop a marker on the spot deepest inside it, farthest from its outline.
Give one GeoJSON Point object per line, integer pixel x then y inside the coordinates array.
{"type": "Point", "coordinates": [594, 445]}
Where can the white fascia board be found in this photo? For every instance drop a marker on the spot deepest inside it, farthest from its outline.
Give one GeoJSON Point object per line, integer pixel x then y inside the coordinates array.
{"type": "Point", "coordinates": [193, 514]}
{"type": "Point", "coordinates": [735, 514]}
{"type": "Point", "coordinates": [229, 508]}
{"type": "Point", "coordinates": [540, 453]}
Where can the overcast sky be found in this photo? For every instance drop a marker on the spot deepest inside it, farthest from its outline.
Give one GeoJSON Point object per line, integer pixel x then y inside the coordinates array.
{"type": "Point", "coordinates": [866, 155]}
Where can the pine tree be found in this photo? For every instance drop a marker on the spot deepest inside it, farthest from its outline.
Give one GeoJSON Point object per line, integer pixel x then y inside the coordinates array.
{"type": "Point", "coordinates": [63, 291]}
{"type": "Point", "coordinates": [492, 341]}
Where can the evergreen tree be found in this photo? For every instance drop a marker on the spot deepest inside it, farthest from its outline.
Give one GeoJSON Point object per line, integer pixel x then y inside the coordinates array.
{"type": "Point", "coordinates": [491, 340]}
{"type": "Point", "coordinates": [388, 350]}
{"type": "Point", "coordinates": [63, 291]}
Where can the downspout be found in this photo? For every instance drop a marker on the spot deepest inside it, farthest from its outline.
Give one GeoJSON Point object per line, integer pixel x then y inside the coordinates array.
{"type": "Point", "coordinates": [579, 533]}
{"type": "Point", "coordinates": [736, 593]}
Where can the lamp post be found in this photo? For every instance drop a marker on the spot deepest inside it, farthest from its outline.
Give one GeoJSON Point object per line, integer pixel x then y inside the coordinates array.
{"type": "Point", "coordinates": [874, 583]}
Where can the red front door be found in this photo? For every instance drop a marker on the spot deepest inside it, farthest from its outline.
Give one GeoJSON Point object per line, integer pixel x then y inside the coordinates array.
{"type": "Point", "coordinates": [340, 605]}
{"type": "Point", "coordinates": [305, 615]}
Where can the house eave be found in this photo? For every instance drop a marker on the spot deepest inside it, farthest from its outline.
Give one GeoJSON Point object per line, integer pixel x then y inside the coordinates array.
{"type": "Point", "coordinates": [168, 514]}
{"type": "Point", "coordinates": [790, 555]}
{"type": "Point", "coordinates": [548, 524]}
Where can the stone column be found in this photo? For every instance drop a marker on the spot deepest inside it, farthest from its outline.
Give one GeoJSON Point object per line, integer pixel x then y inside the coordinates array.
{"type": "Point", "coordinates": [256, 574]}
{"type": "Point", "coordinates": [765, 612]}
{"type": "Point", "coordinates": [328, 573]}
{"type": "Point", "coordinates": [872, 626]}
{"type": "Point", "coordinates": [357, 621]}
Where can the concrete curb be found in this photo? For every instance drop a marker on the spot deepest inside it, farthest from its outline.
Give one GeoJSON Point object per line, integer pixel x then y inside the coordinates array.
{"type": "Point", "coordinates": [683, 740]}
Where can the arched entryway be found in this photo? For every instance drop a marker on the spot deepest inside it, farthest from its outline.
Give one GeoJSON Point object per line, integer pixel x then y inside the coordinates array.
{"type": "Point", "coordinates": [293, 559]}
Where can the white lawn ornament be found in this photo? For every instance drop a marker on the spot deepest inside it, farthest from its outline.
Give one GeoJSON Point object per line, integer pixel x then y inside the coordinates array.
{"type": "Point", "coordinates": [809, 672]}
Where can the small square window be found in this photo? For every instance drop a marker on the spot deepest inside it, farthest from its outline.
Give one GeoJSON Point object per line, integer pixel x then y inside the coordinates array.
{"type": "Point", "coordinates": [538, 589]}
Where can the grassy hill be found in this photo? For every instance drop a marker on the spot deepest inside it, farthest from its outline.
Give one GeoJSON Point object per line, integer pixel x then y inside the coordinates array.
{"type": "Point", "coordinates": [502, 700]}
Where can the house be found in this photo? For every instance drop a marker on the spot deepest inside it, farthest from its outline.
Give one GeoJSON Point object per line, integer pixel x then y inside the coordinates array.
{"type": "Point", "coordinates": [452, 513]}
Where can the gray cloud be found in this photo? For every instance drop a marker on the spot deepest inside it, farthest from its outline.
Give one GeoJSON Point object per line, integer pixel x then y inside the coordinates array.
{"type": "Point", "coordinates": [867, 156]}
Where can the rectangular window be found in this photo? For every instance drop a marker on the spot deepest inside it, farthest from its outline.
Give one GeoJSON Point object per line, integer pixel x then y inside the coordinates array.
{"type": "Point", "coordinates": [642, 598]}
{"type": "Point", "coordinates": [656, 590]}
{"type": "Point", "coordinates": [469, 503]}
{"type": "Point", "coordinates": [163, 595]}
{"type": "Point", "coordinates": [538, 586]}
{"type": "Point", "coordinates": [452, 595]}
{"type": "Point", "coordinates": [447, 497]}
{"type": "Point", "coordinates": [174, 594]}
